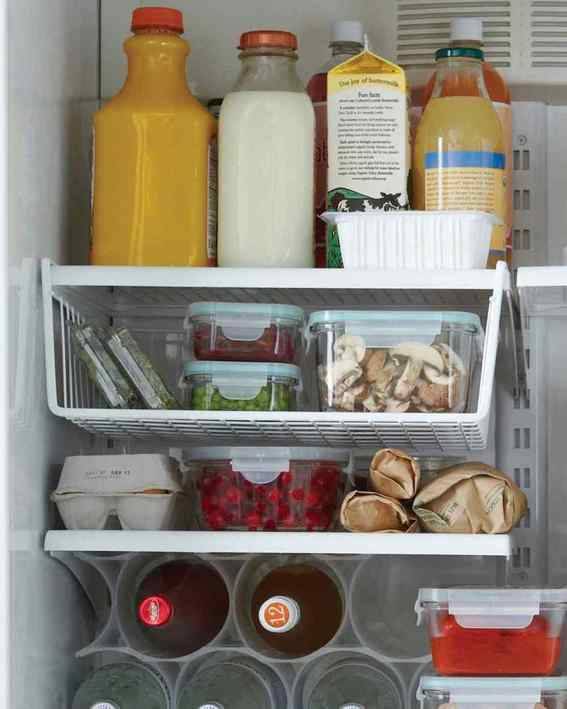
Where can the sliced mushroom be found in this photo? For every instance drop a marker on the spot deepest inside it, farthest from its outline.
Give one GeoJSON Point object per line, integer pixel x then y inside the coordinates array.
{"type": "Point", "coordinates": [347, 401]}
{"type": "Point", "coordinates": [394, 406]}
{"type": "Point", "coordinates": [406, 383]}
{"type": "Point", "coordinates": [373, 404]}
{"type": "Point", "coordinates": [451, 359]}
{"type": "Point", "coordinates": [433, 396]}
{"type": "Point", "coordinates": [373, 363]}
{"type": "Point", "coordinates": [345, 373]}
{"type": "Point", "coordinates": [432, 375]}
{"type": "Point", "coordinates": [420, 352]}
{"type": "Point", "coordinates": [350, 347]}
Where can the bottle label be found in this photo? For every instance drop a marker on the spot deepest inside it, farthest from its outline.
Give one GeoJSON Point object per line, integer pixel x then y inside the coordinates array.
{"type": "Point", "coordinates": [155, 611]}
{"type": "Point", "coordinates": [504, 111]}
{"type": "Point", "coordinates": [469, 180]}
{"type": "Point", "coordinates": [279, 614]}
{"type": "Point", "coordinates": [321, 164]}
{"type": "Point", "coordinates": [212, 203]}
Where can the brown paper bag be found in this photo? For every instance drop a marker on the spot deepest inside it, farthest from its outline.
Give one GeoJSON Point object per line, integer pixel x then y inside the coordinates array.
{"type": "Point", "coordinates": [371, 512]}
{"type": "Point", "coordinates": [395, 474]}
{"type": "Point", "coordinates": [469, 499]}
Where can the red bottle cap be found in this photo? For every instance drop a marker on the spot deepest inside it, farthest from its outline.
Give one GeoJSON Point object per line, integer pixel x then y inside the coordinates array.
{"type": "Point", "coordinates": [155, 611]}
{"type": "Point", "coordinates": [163, 18]}
{"type": "Point", "coordinates": [268, 38]}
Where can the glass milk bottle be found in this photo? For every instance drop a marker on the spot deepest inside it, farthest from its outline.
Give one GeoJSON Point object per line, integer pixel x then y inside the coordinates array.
{"type": "Point", "coordinates": [266, 159]}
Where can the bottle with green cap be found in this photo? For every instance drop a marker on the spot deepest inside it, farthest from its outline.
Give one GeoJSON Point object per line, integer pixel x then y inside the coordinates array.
{"type": "Point", "coordinates": [123, 685]}
{"type": "Point", "coordinates": [459, 155]}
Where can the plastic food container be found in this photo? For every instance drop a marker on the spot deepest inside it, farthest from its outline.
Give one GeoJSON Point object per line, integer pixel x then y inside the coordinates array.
{"type": "Point", "coordinates": [101, 368]}
{"type": "Point", "coordinates": [269, 489]}
{"type": "Point", "coordinates": [242, 386]}
{"type": "Point", "coordinates": [142, 491]}
{"type": "Point", "coordinates": [493, 631]}
{"type": "Point", "coordinates": [377, 361]}
{"type": "Point", "coordinates": [413, 240]}
{"type": "Point", "coordinates": [237, 332]}
{"type": "Point", "coordinates": [518, 693]}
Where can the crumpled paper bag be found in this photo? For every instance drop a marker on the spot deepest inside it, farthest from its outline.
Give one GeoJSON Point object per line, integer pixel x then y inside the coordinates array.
{"type": "Point", "coordinates": [371, 512]}
{"type": "Point", "coordinates": [395, 474]}
{"type": "Point", "coordinates": [470, 498]}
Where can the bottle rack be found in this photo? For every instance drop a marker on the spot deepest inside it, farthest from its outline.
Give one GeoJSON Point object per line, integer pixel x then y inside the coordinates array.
{"type": "Point", "coordinates": [151, 302]}
{"type": "Point", "coordinates": [379, 622]}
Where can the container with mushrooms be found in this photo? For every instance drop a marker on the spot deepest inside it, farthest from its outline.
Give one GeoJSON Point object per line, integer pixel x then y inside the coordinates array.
{"type": "Point", "coordinates": [410, 362]}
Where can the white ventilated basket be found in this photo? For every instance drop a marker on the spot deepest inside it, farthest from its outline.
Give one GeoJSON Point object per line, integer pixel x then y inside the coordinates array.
{"type": "Point", "coordinates": [152, 303]}
{"type": "Point", "coordinates": [413, 240]}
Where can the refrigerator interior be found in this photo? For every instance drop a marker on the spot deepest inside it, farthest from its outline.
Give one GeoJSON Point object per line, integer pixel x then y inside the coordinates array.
{"type": "Point", "coordinates": [64, 57]}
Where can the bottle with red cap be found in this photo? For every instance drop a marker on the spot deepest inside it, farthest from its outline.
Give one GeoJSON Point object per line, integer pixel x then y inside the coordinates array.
{"type": "Point", "coordinates": [266, 137]}
{"type": "Point", "coordinates": [154, 181]}
{"type": "Point", "coordinates": [181, 606]}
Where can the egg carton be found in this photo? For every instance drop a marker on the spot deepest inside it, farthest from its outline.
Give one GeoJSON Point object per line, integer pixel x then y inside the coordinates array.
{"type": "Point", "coordinates": [379, 623]}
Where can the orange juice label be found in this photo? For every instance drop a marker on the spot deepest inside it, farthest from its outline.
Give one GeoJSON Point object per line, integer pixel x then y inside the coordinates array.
{"type": "Point", "coordinates": [504, 111]}
{"type": "Point", "coordinates": [212, 202]}
{"type": "Point", "coordinates": [277, 614]}
{"type": "Point", "coordinates": [468, 180]}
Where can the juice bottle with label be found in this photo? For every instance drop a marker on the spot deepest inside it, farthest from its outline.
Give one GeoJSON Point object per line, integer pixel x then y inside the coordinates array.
{"type": "Point", "coordinates": [459, 159]}
{"type": "Point", "coordinates": [467, 32]}
{"type": "Point", "coordinates": [154, 188]}
{"type": "Point", "coordinates": [297, 609]}
{"type": "Point", "coordinates": [347, 40]}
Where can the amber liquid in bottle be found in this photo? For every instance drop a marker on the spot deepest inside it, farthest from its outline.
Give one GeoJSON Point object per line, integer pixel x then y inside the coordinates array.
{"type": "Point", "coordinates": [320, 603]}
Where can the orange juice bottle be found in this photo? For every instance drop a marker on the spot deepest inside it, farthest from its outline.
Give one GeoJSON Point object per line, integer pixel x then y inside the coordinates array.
{"type": "Point", "coordinates": [154, 188]}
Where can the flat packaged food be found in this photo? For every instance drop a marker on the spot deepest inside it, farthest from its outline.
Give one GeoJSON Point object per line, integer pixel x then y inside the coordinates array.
{"type": "Point", "coordinates": [509, 693]}
{"type": "Point", "coordinates": [245, 332]}
{"type": "Point", "coordinates": [269, 489]}
{"type": "Point", "coordinates": [242, 386]}
{"type": "Point", "coordinates": [403, 362]}
{"type": "Point", "coordinates": [493, 631]}
{"type": "Point", "coordinates": [141, 372]}
{"type": "Point", "coordinates": [142, 491]}
{"type": "Point", "coordinates": [101, 368]}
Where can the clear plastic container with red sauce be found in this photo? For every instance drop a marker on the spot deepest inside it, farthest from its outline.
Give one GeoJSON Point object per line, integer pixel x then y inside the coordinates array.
{"type": "Point", "coordinates": [245, 332]}
{"type": "Point", "coordinates": [269, 489]}
{"type": "Point", "coordinates": [493, 631]}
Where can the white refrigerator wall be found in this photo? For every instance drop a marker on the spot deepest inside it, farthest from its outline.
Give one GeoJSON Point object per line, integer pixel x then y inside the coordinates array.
{"type": "Point", "coordinates": [52, 53]}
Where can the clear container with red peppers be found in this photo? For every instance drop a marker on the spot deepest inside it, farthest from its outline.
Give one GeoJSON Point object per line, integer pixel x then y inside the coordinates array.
{"type": "Point", "coordinates": [245, 332]}
{"type": "Point", "coordinates": [493, 631]}
{"type": "Point", "coordinates": [269, 489]}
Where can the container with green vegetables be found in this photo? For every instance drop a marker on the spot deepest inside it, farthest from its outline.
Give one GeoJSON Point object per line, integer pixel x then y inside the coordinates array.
{"type": "Point", "coordinates": [241, 386]}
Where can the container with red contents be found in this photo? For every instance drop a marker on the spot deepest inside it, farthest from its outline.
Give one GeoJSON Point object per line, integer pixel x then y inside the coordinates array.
{"type": "Point", "coordinates": [493, 631]}
{"type": "Point", "coordinates": [238, 332]}
{"type": "Point", "coordinates": [269, 489]}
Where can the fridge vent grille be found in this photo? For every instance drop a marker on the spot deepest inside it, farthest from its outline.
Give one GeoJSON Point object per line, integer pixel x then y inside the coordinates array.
{"type": "Point", "coordinates": [548, 34]}
{"type": "Point", "coordinates": [423, 27]}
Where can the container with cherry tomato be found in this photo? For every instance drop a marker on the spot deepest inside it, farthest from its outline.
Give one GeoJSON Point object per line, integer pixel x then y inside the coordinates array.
{"type": "Point", "coordinates": [269, 489]}
{"type": "Point", "coordinates": [494, 631]}
{"type": "Point", "coordinates": [245, 332]}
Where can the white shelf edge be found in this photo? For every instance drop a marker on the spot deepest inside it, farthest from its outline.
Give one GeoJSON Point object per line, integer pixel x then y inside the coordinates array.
{"type": "Point", "coordinates": [344, 543]}
{"type": "Point", "coordinates": [291, 278]}
{"type": "Point", "coordinates": [542, 277]}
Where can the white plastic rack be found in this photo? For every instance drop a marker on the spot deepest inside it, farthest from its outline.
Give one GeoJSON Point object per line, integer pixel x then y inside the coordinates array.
{"type": "Point", "coordinates": [543, 290]}
{"type": "Point", "coordinates": [339, 543]}
{"type": "Point", "coordinates": [152, 303]}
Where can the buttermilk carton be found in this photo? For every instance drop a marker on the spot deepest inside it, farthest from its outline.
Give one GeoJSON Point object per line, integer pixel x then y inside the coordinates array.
{"type": "Point", "coordinates": [368, 140]}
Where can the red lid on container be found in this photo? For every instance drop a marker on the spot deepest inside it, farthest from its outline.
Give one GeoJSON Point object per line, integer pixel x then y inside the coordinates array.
{"type": "Point", "coordinates": [155, 611]}
{"type": "Point", "coordinates": [164, 18]}
{"type": "Point", "coordinates": [268, 38]}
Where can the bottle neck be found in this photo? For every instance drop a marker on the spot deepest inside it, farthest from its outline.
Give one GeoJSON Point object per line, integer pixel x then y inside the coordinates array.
{"type": "Point", "coordinates": [156, 64]}
{"type": "Point", "coordinates": [459, 76]}
{"type": "Point", "coordinates": [347, 48]}
{"type": "Point", "coordinates": [268, 70]}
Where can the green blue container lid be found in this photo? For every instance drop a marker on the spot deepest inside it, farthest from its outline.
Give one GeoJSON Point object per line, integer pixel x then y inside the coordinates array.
{"type": "Point", "coordinates": [505, 690]}
{"type": "Point", "coordinates": [260, 310]}
{"type": "Point", "coordinates": [244, 370]}
{"type": "Point", "coordinates": [388, 320]}
{"type": "Point", "coordinates": [459, 53]}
